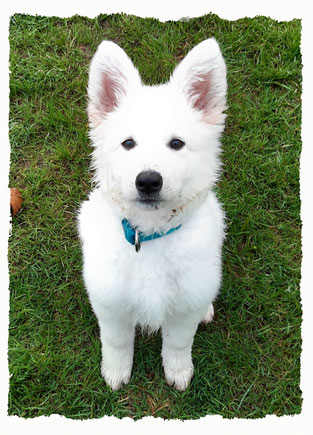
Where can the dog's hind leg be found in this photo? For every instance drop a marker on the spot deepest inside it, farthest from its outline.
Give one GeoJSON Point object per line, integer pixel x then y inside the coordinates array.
{"type": "Point", "coordinates": [209, 315]}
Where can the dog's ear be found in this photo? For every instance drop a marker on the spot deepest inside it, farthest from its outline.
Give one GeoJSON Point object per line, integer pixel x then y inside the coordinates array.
{"type": "Point", "coordinates": [112, 74]}
{"type": "Point", "coordinates": [201, 76]}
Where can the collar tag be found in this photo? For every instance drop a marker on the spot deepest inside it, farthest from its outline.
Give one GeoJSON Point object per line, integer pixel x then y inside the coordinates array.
{"type": "Point", "coordinates": [137, 240]}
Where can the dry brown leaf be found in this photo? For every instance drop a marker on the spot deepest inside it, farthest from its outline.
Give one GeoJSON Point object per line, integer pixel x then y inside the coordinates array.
{"type": "Point", "coordinates": [15, 200]}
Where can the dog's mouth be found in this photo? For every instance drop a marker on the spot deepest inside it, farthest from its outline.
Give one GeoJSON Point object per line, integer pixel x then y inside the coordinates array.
{"type": "Point", "coordinates": [148, 202]}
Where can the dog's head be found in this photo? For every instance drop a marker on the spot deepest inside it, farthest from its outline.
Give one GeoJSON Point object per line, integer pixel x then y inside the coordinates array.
{"type": "Point", "coordinates": [156, 147]}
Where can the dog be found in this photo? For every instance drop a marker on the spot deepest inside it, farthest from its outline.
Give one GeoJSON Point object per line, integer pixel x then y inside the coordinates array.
{"type": "Point", "coordinates": [152, 229]}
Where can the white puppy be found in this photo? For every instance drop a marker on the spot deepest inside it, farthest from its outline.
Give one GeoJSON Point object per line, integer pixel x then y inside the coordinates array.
{"type": "Point", "coordinates": [152, 230]}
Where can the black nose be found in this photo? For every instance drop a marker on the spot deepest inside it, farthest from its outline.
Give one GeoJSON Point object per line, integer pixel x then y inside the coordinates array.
{"type": "Point", "coordinates": [149, 182]}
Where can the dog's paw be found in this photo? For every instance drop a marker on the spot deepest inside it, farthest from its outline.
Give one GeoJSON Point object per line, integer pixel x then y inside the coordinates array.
{"type": "Point", "coordinates": [209, 315]}
{"type": "Point", "coordinates": [179, 378]}
{"type": "Point", "coordinates": [116, 377]}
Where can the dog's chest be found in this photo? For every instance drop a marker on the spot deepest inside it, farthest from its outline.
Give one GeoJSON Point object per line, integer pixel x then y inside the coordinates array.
{"type": "Point", "coordinates": [156, 265]}
{"type": "Point", "coordinates": [167, 275]}
{"type": "Point", "coordinates": [151, 281]}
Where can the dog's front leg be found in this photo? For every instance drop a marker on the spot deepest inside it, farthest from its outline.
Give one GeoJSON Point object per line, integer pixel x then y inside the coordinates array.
{"type": "Point", "coordinates": [177, 335]}
{"type": "Point", "coordinates": [117, 342]}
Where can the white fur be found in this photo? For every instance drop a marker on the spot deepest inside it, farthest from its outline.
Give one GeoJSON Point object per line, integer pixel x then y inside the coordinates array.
{"type": "Point", "coordinates": [171, 282]}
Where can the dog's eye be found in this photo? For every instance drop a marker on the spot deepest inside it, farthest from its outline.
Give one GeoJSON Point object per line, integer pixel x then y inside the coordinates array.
{"type": "Point", "coordinates": [176, 144]}
{"type": "Point", "coordinates": [128, 144]}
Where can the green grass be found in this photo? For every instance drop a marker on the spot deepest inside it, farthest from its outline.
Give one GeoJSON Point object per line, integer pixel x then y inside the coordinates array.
{"type": "Point", "coordinates": [247, 362]}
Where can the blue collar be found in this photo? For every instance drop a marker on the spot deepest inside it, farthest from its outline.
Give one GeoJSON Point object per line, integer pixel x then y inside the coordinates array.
{"type": "Point", "coordinates": [135, 237]}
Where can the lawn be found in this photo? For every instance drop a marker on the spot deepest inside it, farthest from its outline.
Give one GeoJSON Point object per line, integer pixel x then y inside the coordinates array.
{"type": "Point", "coordinates": [247, 362]}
